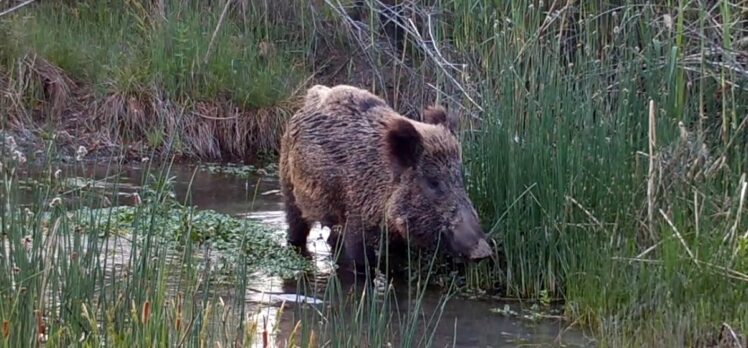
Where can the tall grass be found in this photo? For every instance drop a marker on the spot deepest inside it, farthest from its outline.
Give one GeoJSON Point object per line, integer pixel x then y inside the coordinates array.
{"type": "Point", "coordinates": [70, 278]}
{"type": "Point", "coordinates": [214, 81]}
{"type": "Point", "coordinates": [185, 50]}
{"type": "Point", "coordinates": [559, 165]}
{"type": "Point", "coordinates": [79, 272]}
{"type": "Point", "coordinates": [635, 217]}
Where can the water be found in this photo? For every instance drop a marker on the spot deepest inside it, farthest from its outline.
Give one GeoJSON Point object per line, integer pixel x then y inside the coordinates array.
{"type": "Point", "coordinates": [463, 322]}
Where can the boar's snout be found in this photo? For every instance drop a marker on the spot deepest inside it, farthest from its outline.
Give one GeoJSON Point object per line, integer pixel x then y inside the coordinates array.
{"type": "Point", "coordinates": [469, 239]}
{"type": "Point", "coordinates": [481, 251]}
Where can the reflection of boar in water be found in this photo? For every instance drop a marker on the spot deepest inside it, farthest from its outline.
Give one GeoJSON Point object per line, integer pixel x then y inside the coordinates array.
{"type": "Point", "coordinates": [349, 159]}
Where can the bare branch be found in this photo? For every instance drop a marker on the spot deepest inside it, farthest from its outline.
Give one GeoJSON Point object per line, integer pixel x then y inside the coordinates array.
{"type": "Point", "coordinates": [373, 46]}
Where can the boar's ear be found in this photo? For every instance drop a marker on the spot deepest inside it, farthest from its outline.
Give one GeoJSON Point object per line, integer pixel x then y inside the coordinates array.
{"type": "Point", "coordinates": [437, 115]}
{"type": "Point", "coordinates": [404, 145]}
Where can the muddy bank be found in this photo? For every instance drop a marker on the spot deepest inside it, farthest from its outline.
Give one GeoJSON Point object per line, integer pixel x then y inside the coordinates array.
{"type": "Point", "coordinates": [128, 128]}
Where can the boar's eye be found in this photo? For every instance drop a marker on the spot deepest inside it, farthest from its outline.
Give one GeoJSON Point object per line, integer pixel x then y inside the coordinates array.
{"type": "Point", "coordinates": [433, 183]}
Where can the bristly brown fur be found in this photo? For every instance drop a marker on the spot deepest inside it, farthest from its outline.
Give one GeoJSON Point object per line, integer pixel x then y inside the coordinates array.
{"type": "Point", "coordinates": [438, 115]}
{"type": "Point", "coordinates": [434, 114]}
{"type": "Point", "coordinates": [404, 145]}
{"type": "Point", "coordinates": [348, 159]}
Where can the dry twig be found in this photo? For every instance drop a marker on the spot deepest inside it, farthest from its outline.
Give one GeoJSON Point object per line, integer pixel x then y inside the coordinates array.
{"type": "Point", "coordinates": [17, 7]}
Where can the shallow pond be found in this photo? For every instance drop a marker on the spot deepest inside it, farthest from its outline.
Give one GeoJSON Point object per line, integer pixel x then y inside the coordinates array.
{"type": "Point", "coordinates": [463, 322]}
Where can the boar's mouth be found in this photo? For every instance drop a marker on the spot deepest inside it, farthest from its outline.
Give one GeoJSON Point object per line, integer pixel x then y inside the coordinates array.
{"type": "Point", "coordinates": [468, 239]}
{"type": "Point", "coordinates": [480, 251]}
{"type": "Point", "coordinates": [471, 251]}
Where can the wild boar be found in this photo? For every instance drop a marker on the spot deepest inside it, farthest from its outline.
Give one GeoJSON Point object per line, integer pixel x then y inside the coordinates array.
{"type": "Point", "coordinates": [349, 159]}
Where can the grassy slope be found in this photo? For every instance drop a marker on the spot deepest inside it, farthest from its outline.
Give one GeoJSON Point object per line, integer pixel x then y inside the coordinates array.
{"type": "Point", "coordinates": [156, 77]}
{"type": "Point", "coordinates": [559, 168]}
{"type": "Point", "coordinates": [123, 48]}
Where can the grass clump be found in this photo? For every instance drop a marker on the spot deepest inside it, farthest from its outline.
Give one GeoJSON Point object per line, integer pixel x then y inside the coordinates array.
{"type": "Point", "coordinates": [559, 165]}
{"type": "Point", "coordinates": [136, 47]}
{"type": "Point", "coordinates": [77, 272]}
{"type": "Point", "coordinates": [210, 81]}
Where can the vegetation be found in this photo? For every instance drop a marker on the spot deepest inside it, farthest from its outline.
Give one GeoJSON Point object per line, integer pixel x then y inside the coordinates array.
{"type": "Point", "coordinates": [242, 171]}
{"type": "Point", "coordinates": [561, 166]}
{"type": "Point", "coordinates": [604, 141]}
{"type": "Point", "coordinates": [186, 76]}
{"type": "Point", "coordinates": [159, 273]}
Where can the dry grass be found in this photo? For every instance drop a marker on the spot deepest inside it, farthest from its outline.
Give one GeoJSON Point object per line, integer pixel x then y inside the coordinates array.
{"type": "Point", "coordinates": [128, 114]}
{"type": "Point", "coordinates": [57, 87]}
{"type": "Point", "coordinates": [147, 78]}
{"type": "Point", "coordinates": [135, 125]}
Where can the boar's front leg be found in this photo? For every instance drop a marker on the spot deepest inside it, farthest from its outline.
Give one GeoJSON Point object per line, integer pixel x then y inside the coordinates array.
{"type": "Point", "coordinates": [298, 227]}
{"type": "Point", "coordinates": [358, 253]}
{"type": "Point", "coordinates": [336, 233]}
